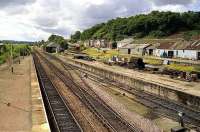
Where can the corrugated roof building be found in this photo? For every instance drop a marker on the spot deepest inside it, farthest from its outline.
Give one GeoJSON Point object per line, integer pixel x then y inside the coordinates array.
{"type": "Point", "coordinates": [180, 49]}
{"type": "Point", "coordinates": [139, 49]}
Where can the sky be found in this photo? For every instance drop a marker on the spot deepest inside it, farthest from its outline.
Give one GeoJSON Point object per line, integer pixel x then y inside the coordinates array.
{"type": "Point", "coordinates": [35, 20]}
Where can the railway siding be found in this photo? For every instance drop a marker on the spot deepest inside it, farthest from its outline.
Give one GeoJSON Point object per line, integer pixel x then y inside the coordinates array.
{"type": "Point", "coordinates": [192, 116]}
{"type": "Point", "coordinates": [162, 90]}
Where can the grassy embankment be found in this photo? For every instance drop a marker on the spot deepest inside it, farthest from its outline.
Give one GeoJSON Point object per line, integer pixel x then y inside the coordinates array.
{"type": "Point", "coordinates": [5, 51]}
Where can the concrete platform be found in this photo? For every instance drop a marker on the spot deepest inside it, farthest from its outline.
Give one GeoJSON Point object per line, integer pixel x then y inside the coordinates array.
{"type": "Point", "coordinates": [39, 119]}
{"type": "Point", "coordinates": [21, 106]}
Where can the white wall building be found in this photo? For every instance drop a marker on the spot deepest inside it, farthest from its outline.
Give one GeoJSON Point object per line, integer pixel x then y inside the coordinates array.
{"type": "Point", "coordinates": [183, 49]}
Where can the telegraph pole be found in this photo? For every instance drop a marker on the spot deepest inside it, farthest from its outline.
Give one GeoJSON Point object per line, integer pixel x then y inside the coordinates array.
{"type": "Point", "coordinates": [12, 69]}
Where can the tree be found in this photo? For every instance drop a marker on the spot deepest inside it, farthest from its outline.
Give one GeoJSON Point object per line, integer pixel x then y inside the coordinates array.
{"type": "Point", "coordinates": [76, 36]}
{"type": "Point", "coordinates": [55, 38]}
{"type": "Point", "coordinates": [59, 40]}
{"type": "Point", "coordinates": [114, 45]}
{"type": "Point", "coordinates": [64, 44]}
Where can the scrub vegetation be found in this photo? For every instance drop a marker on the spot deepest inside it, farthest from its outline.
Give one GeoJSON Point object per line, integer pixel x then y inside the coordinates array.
{"type": "Point", "coordinates": [184, 68]}
{"type": "Point", "coordinates": [19, 49]}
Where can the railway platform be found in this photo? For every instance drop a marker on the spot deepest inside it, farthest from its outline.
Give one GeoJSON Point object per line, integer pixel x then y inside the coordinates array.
{"type": "Point", "coordinates": [21, 106]}
{"type": "Point", "coordinates": [39, 118]}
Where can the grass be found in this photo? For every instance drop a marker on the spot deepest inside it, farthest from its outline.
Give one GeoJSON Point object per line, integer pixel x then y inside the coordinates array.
{"type": "Point", "coordinates": [153, 61]}
{"type": "Point", "coordinates": [184, 68]}
{"type": "Point", "coordinates": [100, 54]}
{"type": "Point", "coordinates": [2, 59]}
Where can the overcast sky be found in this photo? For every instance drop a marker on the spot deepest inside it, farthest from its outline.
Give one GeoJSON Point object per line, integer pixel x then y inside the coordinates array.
{"type": "Point", "coordinates": [37, 19]}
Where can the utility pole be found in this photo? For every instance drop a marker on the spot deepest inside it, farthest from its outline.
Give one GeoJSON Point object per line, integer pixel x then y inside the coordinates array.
{"type": "Point", "coordinates": [22, 53]}
{"type": "Point", "coordinates": [12, 69]}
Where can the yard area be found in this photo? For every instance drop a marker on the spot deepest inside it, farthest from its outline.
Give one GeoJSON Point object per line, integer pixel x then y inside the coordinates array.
{"type": "Point", "coordinates": [106, 54]}
{"type": "Point", "coordinates": [101, 54]}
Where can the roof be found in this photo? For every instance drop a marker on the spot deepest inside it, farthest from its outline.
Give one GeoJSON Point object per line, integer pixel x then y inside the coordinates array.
{"type": "Point", "coordinates": [194, 45]}
{"type": "Point", "coordinates": [126, 41]}
{"type": "Point", "coordinates": [135, 46]}
{"type": "Point", "coordinates": [52, 44]}
{"type": "Point", "coordinates": [154, 46]}
{"type": "Point", "coordinates": [1, 44]}
{"type": "Point", "coordinates": [181, 45]}
{"type": "Point", "coordinates": [165, 45]}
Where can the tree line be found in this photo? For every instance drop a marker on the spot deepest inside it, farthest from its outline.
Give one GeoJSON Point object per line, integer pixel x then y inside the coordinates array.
{"type": "Point", "coordinates": [155, 24]}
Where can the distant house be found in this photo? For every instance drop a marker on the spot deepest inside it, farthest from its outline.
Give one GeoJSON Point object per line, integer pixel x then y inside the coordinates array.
{"type": "Point", "coordinates": [138, 49]}
{"type": "Point", "coordinates": [180, 49]}
{"type": "Point", "coordinates": [86, 43]}
{"type": "Point", "coordinates": [53, 48]}
{"type": "Point", "coordinates": [99, 43]}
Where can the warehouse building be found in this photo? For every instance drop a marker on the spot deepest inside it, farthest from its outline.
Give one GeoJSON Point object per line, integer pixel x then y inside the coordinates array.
{"type": "Point", "coordinates": [181, 49]}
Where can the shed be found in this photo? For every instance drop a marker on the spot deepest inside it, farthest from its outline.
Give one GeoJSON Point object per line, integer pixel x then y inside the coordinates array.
{"type": "Point", "coordinates": [53, 48]}
{"type": "Point", "coordinates": [139, 49]}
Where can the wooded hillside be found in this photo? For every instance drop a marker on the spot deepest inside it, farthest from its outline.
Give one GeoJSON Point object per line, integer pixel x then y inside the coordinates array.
{"type": "Point", "coordinates": [155, 24]}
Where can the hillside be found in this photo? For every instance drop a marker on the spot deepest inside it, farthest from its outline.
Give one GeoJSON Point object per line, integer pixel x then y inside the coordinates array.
{"type": "Point", "coordinates": [153, 25]}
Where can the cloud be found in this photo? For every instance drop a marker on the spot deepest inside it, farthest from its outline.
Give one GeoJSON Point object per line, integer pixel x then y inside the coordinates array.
{"type": "Point", "coordinates": [173, 2]}
{"type": "Point", "coordinates": [36, 19]}
{"type": "Point", "coordinates": [6, 3]}
{"type": "Point", "coordinates": [46, 21]}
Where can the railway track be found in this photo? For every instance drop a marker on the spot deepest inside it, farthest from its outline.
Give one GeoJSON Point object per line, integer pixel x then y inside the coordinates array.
{"type": "Point", "coordinates": [60, 117]}
{"type": "Point", "coordinates": [160, 105]}
{"type": "Point", "coordinates": [103, 112]}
